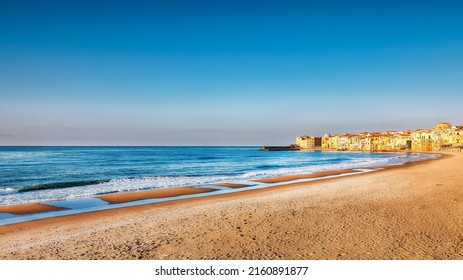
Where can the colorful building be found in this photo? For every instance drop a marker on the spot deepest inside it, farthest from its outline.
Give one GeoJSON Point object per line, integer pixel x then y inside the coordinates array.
{"type": "Point", "coordinates": [308, 142]}
{"type": "Point", "coordinates": [441, 136]}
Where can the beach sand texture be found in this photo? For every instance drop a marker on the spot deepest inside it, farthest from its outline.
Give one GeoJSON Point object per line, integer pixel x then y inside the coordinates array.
{"type": "Point", "coordinates": [411, 212]}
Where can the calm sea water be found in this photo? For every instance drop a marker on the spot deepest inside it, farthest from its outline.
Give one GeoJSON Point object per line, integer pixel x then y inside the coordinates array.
{"type": "Point", "coordinates": [49, 173]}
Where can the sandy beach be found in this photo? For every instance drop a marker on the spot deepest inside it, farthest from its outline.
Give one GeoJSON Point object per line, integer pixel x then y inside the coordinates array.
{"type": "Point", "coordinates": [414, 211]}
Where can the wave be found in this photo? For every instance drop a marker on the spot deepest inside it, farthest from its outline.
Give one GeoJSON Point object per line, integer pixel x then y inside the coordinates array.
{"type": "Point", "coordinates": [266, 166]}
{"type": "Point", "coordinates": [7, 191]}
{"type": "Point", "coordinates": [61, 185]}
{"type": "Point", "coordinates": [14, 155]}
{"type": "Point", "coordinates": [88, 188]}
{"type": "Point", "coordinates": [343, 164]}
{"type": "Point", "coordinates": [207, 158]}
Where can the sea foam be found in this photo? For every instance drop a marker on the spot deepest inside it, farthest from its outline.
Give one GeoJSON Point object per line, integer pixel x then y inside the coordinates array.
{"type": "Point", "coordinates": [7, 191]}
{"type": "Point", "coordinates": [12, 196]}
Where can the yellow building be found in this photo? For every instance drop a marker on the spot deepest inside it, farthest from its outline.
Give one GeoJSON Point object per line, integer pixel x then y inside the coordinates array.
{"type": "Point", "coordinates": [302, 142]}
{"type": "Point", "coordinates": [456, 137]}
{"type": "Point", "coordinates": [326, 141]}
{"type": "Point", "coordinates": [333, 142]}
{"type": "Point", "coordinates": [343, 142]}
{"type": "Point", "coordinates": [416, 139]}
{"type": "Point", "coordinates": [374, 142]}
{"type": "Point", "coordinates": [403, 141]}
{"type": "Point", "coordinates": [426, 141]}
{"type": "Point", "coordinates": [442, 126]}
{"type": "Point", "coordinates": [443, 135]}
{"type": "Point", "coordinates": [385, 142]}
{"type": "Point", "coordinates": [308, 142]}
{"type": "Point", "coordinates": [365, 143]}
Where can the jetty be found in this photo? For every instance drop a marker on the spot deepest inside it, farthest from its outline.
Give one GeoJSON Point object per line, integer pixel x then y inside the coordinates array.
{"type": "Point", "coordinates": [280, 148]}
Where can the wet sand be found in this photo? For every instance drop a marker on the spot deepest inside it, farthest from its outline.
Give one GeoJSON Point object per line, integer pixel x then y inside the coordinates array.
{"type": "Point", "coordinates": [286, 178]}
{"type": "Point", "coordinates": [140, 195]}
{"type": "Point", "coordinates": [232, 185]}
{"type": "Point", "coordinates": [414, 211]}
{"type": "Point", "coordinates": [28, 208]}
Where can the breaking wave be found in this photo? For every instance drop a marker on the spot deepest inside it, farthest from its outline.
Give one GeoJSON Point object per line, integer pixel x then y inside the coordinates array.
{"type": "Point", "coordinates": [88, 188]}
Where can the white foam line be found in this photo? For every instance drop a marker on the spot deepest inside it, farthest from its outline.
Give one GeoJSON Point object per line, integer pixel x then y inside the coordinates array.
{"type": "Point", "coordinates": [222, 190]}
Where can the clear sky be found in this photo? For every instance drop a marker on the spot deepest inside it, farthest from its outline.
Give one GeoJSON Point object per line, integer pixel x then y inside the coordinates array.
{"type": "Point", "coordinates": [224, 72]}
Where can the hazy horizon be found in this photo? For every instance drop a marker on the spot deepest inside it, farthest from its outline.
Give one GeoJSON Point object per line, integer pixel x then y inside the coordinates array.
{"type": "Point", "coordinates": [233, 73]}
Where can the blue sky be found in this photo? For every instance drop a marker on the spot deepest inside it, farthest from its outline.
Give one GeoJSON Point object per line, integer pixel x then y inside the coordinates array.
{"type": "Point", "coordinates": [224, 72]}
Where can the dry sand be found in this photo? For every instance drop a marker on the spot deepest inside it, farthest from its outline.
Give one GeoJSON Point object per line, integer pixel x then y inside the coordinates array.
{"type": "Point", "coordinates": [409, 212]}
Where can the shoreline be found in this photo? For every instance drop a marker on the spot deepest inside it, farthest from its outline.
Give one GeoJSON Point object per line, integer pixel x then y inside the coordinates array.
{"type": "Point", "coordinates": [411, 211]}
{"type": "Point", "coordinates": [284, 184]}
{"type": "Point", "coordinates": [27, 212]}
{"type": "Point", "coordinates": [52, 209]}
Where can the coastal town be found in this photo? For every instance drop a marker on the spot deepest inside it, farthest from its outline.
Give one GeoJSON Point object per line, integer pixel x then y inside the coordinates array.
{"type": "Point", "coordinates": [443, 136]}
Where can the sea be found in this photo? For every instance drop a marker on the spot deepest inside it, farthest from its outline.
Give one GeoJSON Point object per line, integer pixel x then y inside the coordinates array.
{"type": "Point", "coordinates": [37, 174]}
